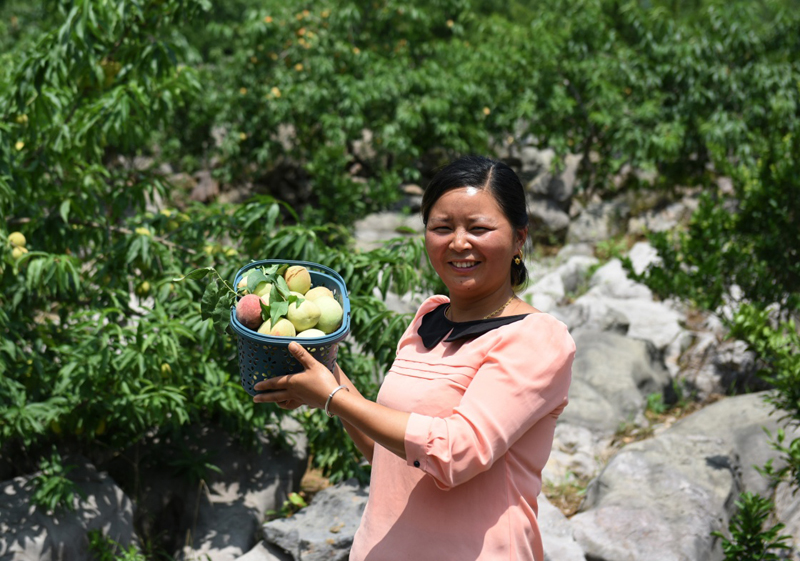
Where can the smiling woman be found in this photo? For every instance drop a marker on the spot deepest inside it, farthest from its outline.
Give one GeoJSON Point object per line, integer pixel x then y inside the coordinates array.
{"type": "Point", "coordinates": [464, 420]}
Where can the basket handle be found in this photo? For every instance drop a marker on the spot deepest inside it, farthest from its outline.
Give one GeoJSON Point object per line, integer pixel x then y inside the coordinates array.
{"type": "Point", "coordinates": [306, 264]}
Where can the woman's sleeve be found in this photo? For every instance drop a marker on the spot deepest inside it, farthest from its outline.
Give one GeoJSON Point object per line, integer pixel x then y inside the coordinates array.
{"type": "Point", "coordinates": [521, 379]}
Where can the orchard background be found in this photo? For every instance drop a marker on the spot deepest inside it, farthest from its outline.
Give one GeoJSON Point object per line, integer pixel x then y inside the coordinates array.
{"type": "Point", "coordinates": [315, 114]}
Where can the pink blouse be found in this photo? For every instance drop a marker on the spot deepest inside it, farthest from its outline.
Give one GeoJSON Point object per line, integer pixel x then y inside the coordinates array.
{"type": "Point", "coordinates": [483, 413]}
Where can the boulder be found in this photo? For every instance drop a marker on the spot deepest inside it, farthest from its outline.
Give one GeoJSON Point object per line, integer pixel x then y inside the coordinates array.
{"type": "Point", "coordinates": [30, 532]}
{"type": "Point", "coordinates": [215, 514]}
{"type": "Point", "coordinates": [548, 222]}
{"type": "Point", "coordinates": [599, 221]}
{"type": "Point", "coordinates": [612, 376]}
{"type": "Point", "coordinates": [557, 535]}
{"type": "Point", "coordinates": [324, 530]}
{"type": "Point", "coordinates": [374, 230]}
{"type": "Point", "coordinates": [661, 498]}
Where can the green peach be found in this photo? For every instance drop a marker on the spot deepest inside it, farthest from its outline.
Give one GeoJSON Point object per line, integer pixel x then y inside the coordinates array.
{"type": "Point", "coordinates": [298, 278]}
{"type": "Point", "coordinates": [311, 334]}
{"type": "Point", "coordinates": [318, 291]}
{"type": "Point", "coordinates": [331, 314]}
{"type": "Point", "coordinates": [304, 316]}
{"type": "Point", "coordinates": [283, 328]}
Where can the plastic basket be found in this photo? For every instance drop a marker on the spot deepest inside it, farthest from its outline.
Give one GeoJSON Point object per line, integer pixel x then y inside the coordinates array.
{"type": "Point", "coordinates": [265, 356]}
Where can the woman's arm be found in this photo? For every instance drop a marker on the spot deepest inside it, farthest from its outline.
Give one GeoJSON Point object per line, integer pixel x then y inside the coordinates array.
{"type": "Point", "coordinates": [366, 422]}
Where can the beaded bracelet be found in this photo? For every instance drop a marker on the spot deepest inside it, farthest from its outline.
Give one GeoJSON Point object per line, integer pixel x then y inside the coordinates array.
{"type": "Point", "coordinates": [330, 397]}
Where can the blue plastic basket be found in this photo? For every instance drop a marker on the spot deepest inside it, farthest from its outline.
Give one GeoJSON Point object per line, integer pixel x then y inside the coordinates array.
{"type": "Point", "coordinates": [265, 356]}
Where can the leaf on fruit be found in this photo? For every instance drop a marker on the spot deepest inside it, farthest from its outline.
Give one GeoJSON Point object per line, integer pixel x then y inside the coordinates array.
{"type": "Point", "coordinates": [283, 289]}
{"type": "Point", "coordinates": [194, 275]}
{"type": "Point", "coordinates": [254, 279]}
{"type": "Point", "coordinates": [277, 310]}
{"type": "Point", "coordinates": [264, 311]}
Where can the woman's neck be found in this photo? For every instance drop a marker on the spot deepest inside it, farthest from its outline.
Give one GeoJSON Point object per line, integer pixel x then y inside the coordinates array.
{"type": "Point", "coordinates": [495, 306]}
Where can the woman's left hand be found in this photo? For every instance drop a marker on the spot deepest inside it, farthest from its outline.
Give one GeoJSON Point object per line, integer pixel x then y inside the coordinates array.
{"type": "Point", "coordinates": [310, 387]}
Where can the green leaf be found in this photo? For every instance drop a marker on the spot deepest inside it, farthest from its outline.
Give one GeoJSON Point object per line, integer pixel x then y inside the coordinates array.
{"type": "Point", "coordinates": [209, 300]}
{"type": "Point", "coordinates": [195, 275]}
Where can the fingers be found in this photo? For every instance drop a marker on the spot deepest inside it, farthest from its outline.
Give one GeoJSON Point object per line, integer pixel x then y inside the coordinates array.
{"type": "Point", "coordinates": [303, 357]}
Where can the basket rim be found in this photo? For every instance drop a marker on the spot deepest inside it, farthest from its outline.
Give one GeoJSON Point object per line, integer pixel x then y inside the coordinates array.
{"type": "Point", "coordinates": [330, 338]}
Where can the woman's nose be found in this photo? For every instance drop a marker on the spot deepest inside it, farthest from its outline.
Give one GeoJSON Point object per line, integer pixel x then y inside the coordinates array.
{"type": "Point", "coordinates": [460, 240]}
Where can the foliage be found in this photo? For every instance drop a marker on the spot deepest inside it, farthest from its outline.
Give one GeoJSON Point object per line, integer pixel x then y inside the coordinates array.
{"type": "Point", "coordinates": [104, 548]}
{"type": "Point", "coordinates": [749, 241]}
{"type": "Point", "coordinates": [52, 488]}
{"type": "Point", "coordinates": [749, 539]}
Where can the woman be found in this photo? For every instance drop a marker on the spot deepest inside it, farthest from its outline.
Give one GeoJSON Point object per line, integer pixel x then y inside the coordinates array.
{"type": "Point", "coordinates": [464, 419]}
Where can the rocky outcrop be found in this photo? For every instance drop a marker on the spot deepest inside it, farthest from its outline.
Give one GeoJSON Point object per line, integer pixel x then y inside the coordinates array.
{"type": "Point", "coordinates": [28, 531]}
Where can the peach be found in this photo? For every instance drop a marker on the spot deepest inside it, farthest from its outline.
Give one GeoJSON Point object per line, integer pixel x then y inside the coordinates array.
{"type": "Point", "coordinates": [248, 311]}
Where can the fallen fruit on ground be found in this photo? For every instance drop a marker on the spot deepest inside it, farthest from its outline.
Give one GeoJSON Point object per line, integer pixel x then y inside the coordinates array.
{"type": "Point", "coordinates": [248, 311]}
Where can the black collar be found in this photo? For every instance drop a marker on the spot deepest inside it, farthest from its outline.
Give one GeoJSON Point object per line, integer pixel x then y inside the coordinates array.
{"type": "Point", "coordinates": [435, 326]}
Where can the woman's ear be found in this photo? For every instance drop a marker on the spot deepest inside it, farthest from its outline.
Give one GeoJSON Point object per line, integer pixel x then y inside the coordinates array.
{"type": "Point", "coordinates": [522, 235]}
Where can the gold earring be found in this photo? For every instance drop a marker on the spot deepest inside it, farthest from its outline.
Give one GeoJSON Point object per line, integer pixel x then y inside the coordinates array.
{"type": "Point", "coordinates": [517, 260]}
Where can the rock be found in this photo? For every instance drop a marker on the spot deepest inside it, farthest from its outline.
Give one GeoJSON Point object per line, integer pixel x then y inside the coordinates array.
{"type": "Point", "coordinates": [787, 510]}
{"type": "Point", "coordinates": [558, 188]}
{"type": "Point", "coordinates": [612, 280]}
{"type": "Point", "coordinates": [548, 222]}
{"type": "Point", "coordinates": [660, 220]}
{"type": "Point", "coordinates": [723, 367]}
{"type": "Point", "coordinates": [612, 376]}
{"type": "Point", "coordinates": [29, 532]}
{"type": "Point", "coordinates": [207, 187]}
{"type": "Point", "coordinates": [598, 222]}
{"type": "Point", "coordinates": [551, 284]}
{"type": "Point", "coordinates": [574, 453]}
{"type": "Point", "coordinates": [324, 530]}
{"type": "Point", "coordinates": [574, 273]}
{"type": "Point", "coordinates": [557, 535]}
{"type": "Point", "coordinates": [222, 515]}
{"type": "Point", "coordinates": [582, 249]}
{"type": "Point", "coordinates": [249, 484]}
{"type": "Point", "coordinates": [741, 421]}
{"type": "Point", "coordinates": [656, 322]}
{"type": "Point", "coordinates": [642, 255]}
{"type": "Point", "coordinates": [596, 316]}
{"type": "Point", "coordinates": [265, 552]}
{"type": "Point", "coordinates": [661, 498]}
{"type": "Point", "coordinates": [374, 230]}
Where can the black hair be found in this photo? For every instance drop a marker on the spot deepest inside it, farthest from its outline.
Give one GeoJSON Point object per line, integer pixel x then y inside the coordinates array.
{"type": "Point", "coordinates": [496, 178]}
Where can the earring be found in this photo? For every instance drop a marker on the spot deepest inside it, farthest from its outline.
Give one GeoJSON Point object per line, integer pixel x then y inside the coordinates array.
{"type": "Point", "coordinates": [517, 260]}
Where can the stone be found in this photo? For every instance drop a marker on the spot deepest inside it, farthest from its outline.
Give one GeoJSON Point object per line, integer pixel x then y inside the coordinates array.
{"type": "Point", "coordinates": [612, 376]}
{"type": "Point", "coordinates": [373, 231]}
{"type": "Point", "coordinates": [324, 530]}
{"type": "Point", "coordinates": [548, 222]}
{"type": "Point", "coordinates": [557, 535]}
{"type": "Point", "coordinates": [30, 532]}
{"type": "Point", "coordinates": [659, 500]}
{"type": "Point", "coordinates": [642, 256]}
{"type": "Point", "coordinates": [220, 518]}
{"type": "Point", "coordinates": [207, 187]}
{"type": "Point", "coordinates": [599, 222]}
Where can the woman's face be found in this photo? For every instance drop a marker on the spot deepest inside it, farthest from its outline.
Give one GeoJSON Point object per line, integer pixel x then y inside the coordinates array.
{"type": "Point", "coordinates": [471, 243]}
